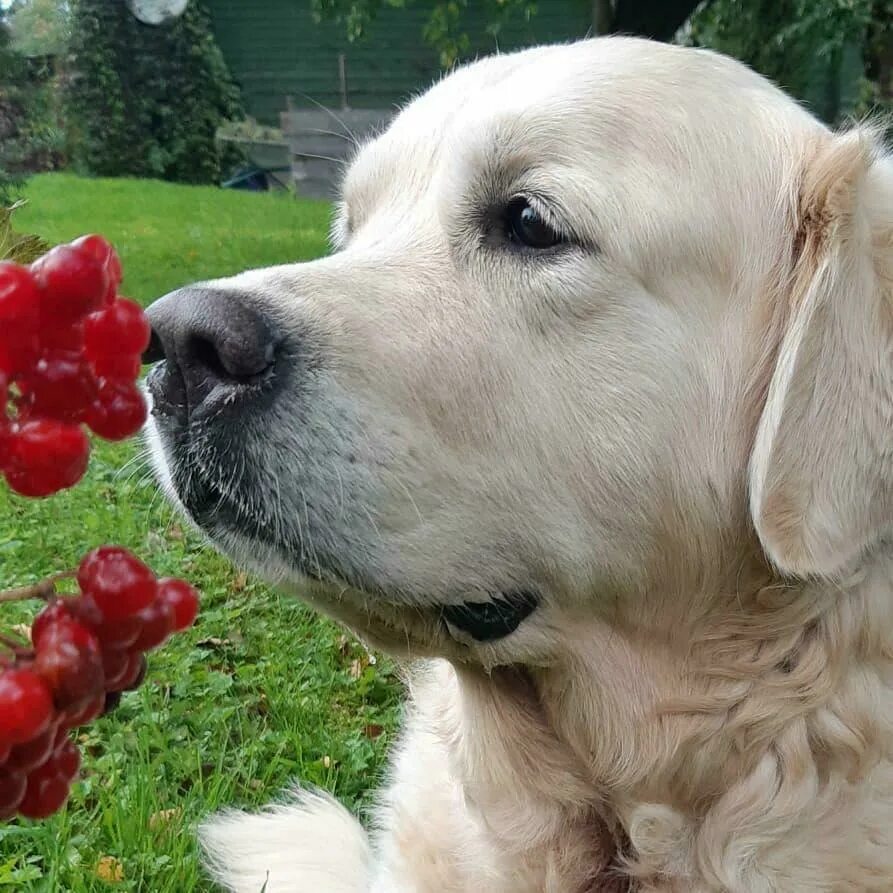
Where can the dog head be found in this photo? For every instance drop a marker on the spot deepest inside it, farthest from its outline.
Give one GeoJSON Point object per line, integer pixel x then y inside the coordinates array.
{"type": "Point", "coordinates": [593, 314]}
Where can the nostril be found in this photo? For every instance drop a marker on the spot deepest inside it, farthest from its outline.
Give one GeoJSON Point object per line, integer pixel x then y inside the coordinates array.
{"type": "Point", "coordinates": [238, 361]}
{"type": "Point", "coordinates": [155, 351]}
{"type": "Point", "coordinates": [203, 353]}
{"type": "Point", "coordinates": [213, 341]}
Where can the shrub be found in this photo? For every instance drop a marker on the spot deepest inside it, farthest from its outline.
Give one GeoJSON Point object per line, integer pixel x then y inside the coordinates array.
{"type": "Point", "coordinates": [12, 114]}
{"type": "Point", "coordinates": [146, 100]}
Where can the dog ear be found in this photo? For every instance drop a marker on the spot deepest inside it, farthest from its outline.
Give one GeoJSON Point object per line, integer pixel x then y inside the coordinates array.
{"type": "Point", "coordinates": [821, 471]}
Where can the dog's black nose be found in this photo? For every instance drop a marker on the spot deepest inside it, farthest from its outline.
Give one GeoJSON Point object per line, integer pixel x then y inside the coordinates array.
{"type": "Point", "coordinates": [210, 340]}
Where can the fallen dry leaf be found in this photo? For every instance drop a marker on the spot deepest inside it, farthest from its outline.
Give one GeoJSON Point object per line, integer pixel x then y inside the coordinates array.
{"type": "Point", "coordinates": [163, 818]}
{"type": "Point", "coordinates": [240, 582]}
{"type": "Point", "coordinates": [110, 870]}
{"type": "Point", "coordinates": [327, 761]}
{"type": "Point", "coordinates": [213, 642]}
{"type": "Point", "coordinates": [358, 666]}
{"type": "Point", "coordinates": [373, 730]}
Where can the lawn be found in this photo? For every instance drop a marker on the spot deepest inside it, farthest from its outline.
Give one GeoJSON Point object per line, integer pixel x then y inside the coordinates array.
{"type": "Point", "coordinates": [261, 692]}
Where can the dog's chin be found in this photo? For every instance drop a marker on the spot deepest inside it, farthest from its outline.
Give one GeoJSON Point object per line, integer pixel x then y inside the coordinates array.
{"type": "Point", "coordinates": [472, 630]}
{"type": "Point", "coordinates": [464, 627]}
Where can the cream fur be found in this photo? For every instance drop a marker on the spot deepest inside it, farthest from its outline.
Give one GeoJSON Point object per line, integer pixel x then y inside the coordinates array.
{"type": "Point", "coordinates": [680, 432]}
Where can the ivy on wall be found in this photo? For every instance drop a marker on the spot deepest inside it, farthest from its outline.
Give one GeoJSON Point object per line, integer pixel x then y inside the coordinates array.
{"type": "Point", "coordinates": [145, 100]}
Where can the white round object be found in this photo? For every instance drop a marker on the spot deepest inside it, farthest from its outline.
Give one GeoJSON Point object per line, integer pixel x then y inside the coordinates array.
{"type": "Point", "coordinates": [157, 12]}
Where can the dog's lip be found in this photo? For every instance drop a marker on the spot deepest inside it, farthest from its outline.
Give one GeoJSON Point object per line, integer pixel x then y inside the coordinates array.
{"type": "Point", "coordinates": [167, 401]}
{"type": "Point", "coordinates": [483, 621]}
{"type": "Point", "coordinates": [494, 619]}
{"type": "Point", "coordinates": [171, 397]}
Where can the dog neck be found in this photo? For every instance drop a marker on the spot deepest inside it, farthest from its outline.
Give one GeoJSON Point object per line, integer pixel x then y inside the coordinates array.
{"type": "Point", "coordinates": [764, 715]}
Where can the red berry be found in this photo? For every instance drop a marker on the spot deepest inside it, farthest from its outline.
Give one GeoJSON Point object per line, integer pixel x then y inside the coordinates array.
{"type": "Point", "coordinates": [61, 734]}
{"type": "Point", "coordinates": [114, 269]}
{"type": "Point", "coordinates": [125, 671]}
{"type": "Point", "coordinates": [117, 666]}
{"type": "Point", "coordinates": [135, 674]}
{"type": "Point", "coordinates": [46, 791]}
{"type": "Point", "coordinates": [82, 715]}
{"type": "Point", "coordinates": [46, 456]}
{"type": "Point", "coordinates": [26, 705]}
{"type": "Point", "coordinates": [70, 662]}
{"type": "Point", "coordinates": [68, 760]}
{"type": "Point", "coordinates": [67, 338]}
{"type": "Point", "coordinates": [182, 598]}
{"type": "Point", "coordinates": [121, 328]}
{"type": "Point", "coordinates": [112, 699]}
{"type": "Point", "coordinates": [120, 367]}
{"type": "Point", "coordinates": [102, 251]}
{"type": "Point", "coordinates": [120, 584]}
{"type": "Point", "coordinates": [119, 412]}
{"type": "Point", "coordinates": [6, 428]}
{"type": "Point", "coordinates": [157, 622]}
{"type": "Point", "coordinates": [12, 790]}
{"type": "Point", "coordinates": [31, 754]}
{"type": "Point", "coordinates": [72, 284]}
{"type": "Point", "coordinates": [52, 613]}
{"type": "Point", "coordinates": [94, 245]}
{"type": "Point", "coordinates": [19, 318]}
{"type": "Point", "coordinates": [60, 386]}
{"type": "Point", "coordinates": [112, 634]}
{"type": "Point", "coordinates": [5, 751]}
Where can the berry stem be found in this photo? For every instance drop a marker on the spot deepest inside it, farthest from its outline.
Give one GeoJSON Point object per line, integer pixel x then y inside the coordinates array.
{"type": "Point", "coordinates": [44, 589]}
{"type": "Point", "coordinates": [18, 647]}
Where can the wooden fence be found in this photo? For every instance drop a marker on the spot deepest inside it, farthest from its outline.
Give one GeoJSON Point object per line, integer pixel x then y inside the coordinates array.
{"type": "Point", "coordinates": [321, 142]}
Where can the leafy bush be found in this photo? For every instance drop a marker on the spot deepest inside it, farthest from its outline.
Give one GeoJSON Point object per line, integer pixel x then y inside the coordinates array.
{"type": "Point", "coordinates": [23, 249]}
{"type": "Point", "coordinates": [146, 100]}
{"type": "Point", "coordinates": [12, 113]}
{"type": "Point", "coordinates": [444, 30]}
{"type": "Point", "coordinates": [826, 52]}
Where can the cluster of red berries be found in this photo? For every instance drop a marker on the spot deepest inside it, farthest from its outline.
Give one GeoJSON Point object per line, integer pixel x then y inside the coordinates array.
{"type": "Point", "coordinates": [85, 650]}
{"type": "Point", "coordinates": [70, 352]}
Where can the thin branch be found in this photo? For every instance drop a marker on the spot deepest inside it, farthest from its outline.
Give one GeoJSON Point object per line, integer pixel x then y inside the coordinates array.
{"type": "Point", "coordinates": [44, 589]}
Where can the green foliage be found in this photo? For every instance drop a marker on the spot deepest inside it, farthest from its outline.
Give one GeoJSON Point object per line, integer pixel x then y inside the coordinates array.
{"type": "Point", "coordinates": [443, 30]}
{"type": "Point", "coordinates": [40, 27]}
{"type": "Point", "coordinates": [147, 100]}
{"type": "Point", "coordinates": [12, 113]}
{"type": "Point", "coordinates": [14, 246]}
{"type": "Point", "coordinates": [32, 131]}
{"type": "Point", "coordinates": [821, 51]}
{"type": "Point", "coordinates": [876, 85]}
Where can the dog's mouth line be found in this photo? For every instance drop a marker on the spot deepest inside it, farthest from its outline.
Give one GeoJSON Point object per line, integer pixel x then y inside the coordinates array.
{"type": "Point", "coordinates": [492, 620]}
{"type": "Point", "coordinates": [483, 621]}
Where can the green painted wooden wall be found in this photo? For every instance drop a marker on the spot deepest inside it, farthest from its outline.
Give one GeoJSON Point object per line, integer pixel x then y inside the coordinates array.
{"type": "Point", "coordinates": [275, 49]}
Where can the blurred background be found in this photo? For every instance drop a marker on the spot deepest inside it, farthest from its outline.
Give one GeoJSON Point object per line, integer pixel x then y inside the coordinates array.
{"type": "Point", "coordinates": [261, 95]}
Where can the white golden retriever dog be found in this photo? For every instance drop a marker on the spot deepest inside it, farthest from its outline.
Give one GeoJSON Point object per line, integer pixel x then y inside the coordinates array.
{"type": "Point", "coordinates": [590, 415]}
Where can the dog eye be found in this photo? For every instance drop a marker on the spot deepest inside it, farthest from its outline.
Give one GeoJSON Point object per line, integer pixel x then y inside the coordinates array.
{"type": "Point", "coordinates": [526, 226]}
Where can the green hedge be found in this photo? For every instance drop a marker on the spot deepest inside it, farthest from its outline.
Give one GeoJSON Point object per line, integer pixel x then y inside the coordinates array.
{"type": "Point", "coordinates": [146, 100]}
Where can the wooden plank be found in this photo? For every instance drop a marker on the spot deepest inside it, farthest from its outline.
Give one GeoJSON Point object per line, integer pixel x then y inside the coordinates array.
{"type": "Point", "coordinates": [323, 121]}
{"type": "Point", "coordinates": [275, 49]}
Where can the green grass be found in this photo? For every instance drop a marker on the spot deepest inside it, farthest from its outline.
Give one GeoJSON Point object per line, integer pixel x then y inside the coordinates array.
{"type": "Point", "coordinates": [261, 692]}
